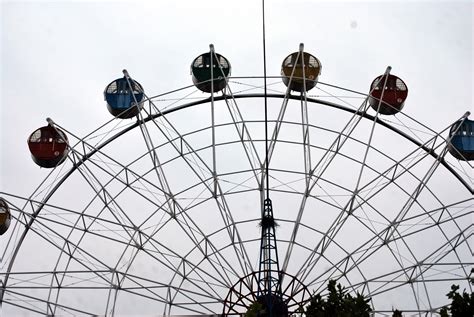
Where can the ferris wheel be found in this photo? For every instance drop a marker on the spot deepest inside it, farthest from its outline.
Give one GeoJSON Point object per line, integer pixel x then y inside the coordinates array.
{"type": "Point", "coordinates": [209, 198]}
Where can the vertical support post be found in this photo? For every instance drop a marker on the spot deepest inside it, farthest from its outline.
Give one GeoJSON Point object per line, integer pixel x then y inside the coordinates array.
{"type": "Point", "coordinates": [214, 171]}
{"type": "Point", "coordinates": [269, 275]}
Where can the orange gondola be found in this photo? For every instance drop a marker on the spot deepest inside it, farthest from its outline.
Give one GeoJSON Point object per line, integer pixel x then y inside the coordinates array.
{"type": "Point", "coordinates": [300, 71]}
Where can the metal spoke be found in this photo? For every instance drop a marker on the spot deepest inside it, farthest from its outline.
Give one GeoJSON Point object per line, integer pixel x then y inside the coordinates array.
{"type": "Point", "coordinates": [176, 226]}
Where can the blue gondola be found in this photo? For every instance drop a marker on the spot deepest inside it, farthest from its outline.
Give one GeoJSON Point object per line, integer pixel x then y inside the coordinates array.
{"type": "Point", "coordinates": [462, 141]}
{"type": "Point", "coordinates": [122, 95]}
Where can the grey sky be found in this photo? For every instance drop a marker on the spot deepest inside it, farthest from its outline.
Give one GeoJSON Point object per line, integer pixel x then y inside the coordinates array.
{"type": "Point", "coordinates": [57, 57]}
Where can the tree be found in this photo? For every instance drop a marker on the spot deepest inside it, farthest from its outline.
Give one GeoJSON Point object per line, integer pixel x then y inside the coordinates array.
{"type": "Point", "coordinates": [338, 304]}
{"type": "Point", "coordinates": [255, 309]}
{"type": "Point", "coordinates": [461, 305]}
{"type": "Point", "coordinates": [397, 313]}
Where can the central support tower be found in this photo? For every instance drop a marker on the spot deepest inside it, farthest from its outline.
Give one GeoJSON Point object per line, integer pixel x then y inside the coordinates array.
{"type": "Point", "coordinates": [269, 293]}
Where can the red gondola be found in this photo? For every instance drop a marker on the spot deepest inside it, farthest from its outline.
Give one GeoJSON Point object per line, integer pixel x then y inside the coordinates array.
{"type": "Point", "coordinates": [5, 216]}
{"type": "Point", "coordinates": [392, 95]}
{"type": "Point", "coordinates": [48, 146]}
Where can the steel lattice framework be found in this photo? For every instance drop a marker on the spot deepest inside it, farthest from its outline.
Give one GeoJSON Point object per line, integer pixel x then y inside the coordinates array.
{"type": "Point", "coordinates": [162, 213]}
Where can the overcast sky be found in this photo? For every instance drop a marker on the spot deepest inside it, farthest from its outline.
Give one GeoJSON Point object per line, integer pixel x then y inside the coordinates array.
{"type": "Point", "coordinates": [58, 56]}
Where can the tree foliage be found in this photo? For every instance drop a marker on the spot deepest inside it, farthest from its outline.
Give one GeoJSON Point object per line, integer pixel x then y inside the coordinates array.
{"type": "Point", "coordinates": [338, 303]}
{"type": "Point", "coordinates": [461, 305]}
{"type": "Point", "coordinates": [256, 309]}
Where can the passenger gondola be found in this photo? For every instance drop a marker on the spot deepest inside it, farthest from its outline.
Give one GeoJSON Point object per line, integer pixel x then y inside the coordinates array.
{"type": "Point", "coordinates": [48, 146]}
{"type": "Point", "coordinates": [5, 216]}
{"type": "Point", "coordinates": [462, 140]}
{"type": "Point", "coordinates": [210, 71]}
{"type": "Point", "coordinates": [124, 97]}
{"type": "Point", "coordinates": [388, 94]}
{"type": "Point", "coordinates": [300, 70]}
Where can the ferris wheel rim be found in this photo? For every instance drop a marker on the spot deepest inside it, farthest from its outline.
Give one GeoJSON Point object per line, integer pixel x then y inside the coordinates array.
{"type": "Point", "coordinates": [219, 98]}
